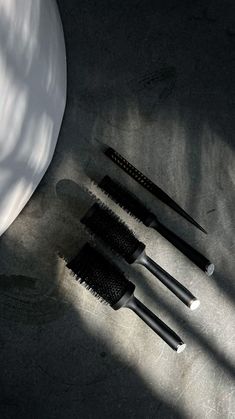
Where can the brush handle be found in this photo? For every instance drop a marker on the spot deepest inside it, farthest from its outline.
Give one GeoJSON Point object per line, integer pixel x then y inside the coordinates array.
{"type": "Point", "coordinates": [171, 283]}
{"type": "Point", "coordinates": [157, 325]}
{"type": "Point", "coordinates": [201, 261]}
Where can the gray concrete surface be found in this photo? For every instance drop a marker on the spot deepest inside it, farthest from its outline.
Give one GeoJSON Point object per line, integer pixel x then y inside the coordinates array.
{"type": "Point", "coordinates": [63, 354]}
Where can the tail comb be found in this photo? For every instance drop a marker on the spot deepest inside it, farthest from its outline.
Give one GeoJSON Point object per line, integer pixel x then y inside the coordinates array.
{"type": "Point", "coordinates": [148, 185]}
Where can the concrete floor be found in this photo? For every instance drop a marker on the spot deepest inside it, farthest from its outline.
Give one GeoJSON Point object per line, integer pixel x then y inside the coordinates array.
{"type": "Point", "coordinates": [155, 80]}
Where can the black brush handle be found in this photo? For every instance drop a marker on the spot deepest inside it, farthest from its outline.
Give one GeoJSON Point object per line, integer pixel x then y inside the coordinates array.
{"type": "Point", "coordinates": [134, 206]}
{"type": "Point", "coordinates": [201, 261]}
{"type": "Point", "coordinates": [171, 283]}
{"type": "Point", "coordinates": [157, 325]}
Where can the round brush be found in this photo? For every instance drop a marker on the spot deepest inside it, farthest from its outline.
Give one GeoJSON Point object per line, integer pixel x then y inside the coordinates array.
{"type": "Point", "coordinates": [136, 208]}
{"type": "Point", "coordinates": [102, 222]}
{"type": "Point", "coordinates": [110, 286]}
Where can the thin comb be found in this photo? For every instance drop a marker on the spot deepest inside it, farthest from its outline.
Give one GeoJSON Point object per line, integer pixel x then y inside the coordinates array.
{"type": "Point", "coordinates": [148, 184]}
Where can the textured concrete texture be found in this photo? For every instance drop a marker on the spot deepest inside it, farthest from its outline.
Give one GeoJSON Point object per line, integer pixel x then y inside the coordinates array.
{"type": "Point", "coordinates": [155, 80]}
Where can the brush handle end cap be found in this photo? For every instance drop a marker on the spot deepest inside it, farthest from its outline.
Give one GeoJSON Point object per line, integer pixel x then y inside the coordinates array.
{"type": "Point", "coordinates": [181, 348]}
{"type": "Point", "coordinates": [195, 303]}
{"type": "Point", "coordinates": [210, 269]}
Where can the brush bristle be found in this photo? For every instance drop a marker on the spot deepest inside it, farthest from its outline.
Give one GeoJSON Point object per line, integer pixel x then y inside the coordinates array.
{"type": "Point", "coordinates": [101, 221]}
{"type": "Point", "coordinates": [124, 198]}
{"type": "Point", "coordinates": [96, 273]}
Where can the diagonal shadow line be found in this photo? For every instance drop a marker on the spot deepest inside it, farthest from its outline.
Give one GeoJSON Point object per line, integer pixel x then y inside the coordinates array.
{"type": "Point", "coordinates": [224, 284]}
{"type": "Point", "coordinates": [72, 192]}
{"type": "Point", "coordinates": [218, 357]}
{"type": "Point", "coordinates": [97, 371]}
{"type": "Point", "coordinates": [193, 110]}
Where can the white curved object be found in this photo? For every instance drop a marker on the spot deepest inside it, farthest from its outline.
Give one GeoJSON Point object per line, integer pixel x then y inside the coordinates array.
{"type": "Point", "coordinates": [32, 98]}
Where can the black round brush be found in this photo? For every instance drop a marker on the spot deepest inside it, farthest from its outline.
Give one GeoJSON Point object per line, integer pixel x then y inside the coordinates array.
{"type": "Point", "coordinates": [107, 226]}
{"type": "Point", "coordinates": [109, 285]}
{"type": "Point", "coordinates": [135, 207]}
